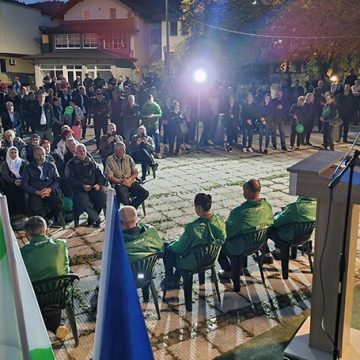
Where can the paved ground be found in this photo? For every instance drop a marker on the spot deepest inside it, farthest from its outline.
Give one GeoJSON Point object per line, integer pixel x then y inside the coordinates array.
{"type": "Point", "coordinates": [214, 327]}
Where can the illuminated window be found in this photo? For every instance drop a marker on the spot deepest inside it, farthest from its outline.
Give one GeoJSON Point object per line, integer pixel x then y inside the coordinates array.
{"type": "Point", "coordinates": [45, 38]}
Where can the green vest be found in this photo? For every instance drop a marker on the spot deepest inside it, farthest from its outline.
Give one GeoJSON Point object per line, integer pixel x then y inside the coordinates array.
{"type": "Point", "coordinates": [200, 231]}
{"type": "Point", "coordinates": [45, 258]}
{"type": "Point", "coordinates": [143, 244]}
{"type": "Point", "coordinates": [249, 217]}
{"type": "Point", "coordinates": [302, 210]}
{"type": "Point", "coordinates": [148, 109]}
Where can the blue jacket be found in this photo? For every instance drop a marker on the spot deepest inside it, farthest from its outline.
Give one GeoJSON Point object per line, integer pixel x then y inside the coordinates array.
{"type": "Point", "coordinates": [31, 181]}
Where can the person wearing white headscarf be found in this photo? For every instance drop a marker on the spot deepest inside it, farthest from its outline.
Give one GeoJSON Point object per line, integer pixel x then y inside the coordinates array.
{"type": "Point", "coordinates": [11, 173]}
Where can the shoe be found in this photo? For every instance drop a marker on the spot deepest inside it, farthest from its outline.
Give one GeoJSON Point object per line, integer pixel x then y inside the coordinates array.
{"type": "Point", "coordinates": [230, 148]}
{"type": "Point", "coordinates": [276, 254]}
{"type": "Point", "coordinates": [284, 148]}
{"type": "Point", "coordinates": [187, 146]}
{"type": "Point", "coordinates": [154, 168]}
{"type": "Point", "coordinates": [244, 149]}
{"type": "Point", "coordinates": [250, 150]}
{"type": "Point", "coordinates": [260, 151]}
{"type": "Point", "coordinates": [268, 259]}
{"type": "Point", "coordinates": [291, 148]}
{"type": "Point", "coordinates": [297, 148]}
{"type": "Point", "coordinates": [309, 144]}
{"type": "Point", "coordinates": [142, 180]}
{"type": "Point", "coordinates": [210, 142]}
{"type": "Point", "coordinates": [225, 275]}
{"type": "Point", "coordinates": [158, 156]}
{"type": "Point", "coordinates": [265, 151]}
{"type": "Point", "coordinates": [226, 146]}
{"type": "Point", "coordinates": [274, 147]}
{"type": "Point", "coordinates": [332, 149]}
{"type": "Point", "coordinates": [62, 332]}
{"type": "Point", "coordinates": [96, 224]}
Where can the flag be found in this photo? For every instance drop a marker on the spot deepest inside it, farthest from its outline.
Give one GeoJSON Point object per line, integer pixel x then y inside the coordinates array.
{"type": "Point", "coordinates": [120, 327]}
{"type": "Point", "coordinates": [23, 334]}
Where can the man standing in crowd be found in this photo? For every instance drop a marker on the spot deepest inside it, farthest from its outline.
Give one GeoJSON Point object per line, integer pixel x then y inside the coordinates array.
{"type": "Point", "coordinates": [121, 171]}
{"type": "Point", "coordinates": [41, 115]}
{"type": "Point", "coordinates": [45, 258]}
{"type": "Point", "coordinates": [11, 119]}
{"type": "Point", "coordinates": [345, 105]}
{"type": "Point", "coordinates": [151, 113]}
{"type": "Point", "coordinates": [100, 113]}
{"type": "Point", "coordinates": [279, 107]}
{"type": "Point", "coordinates": [131, 117]}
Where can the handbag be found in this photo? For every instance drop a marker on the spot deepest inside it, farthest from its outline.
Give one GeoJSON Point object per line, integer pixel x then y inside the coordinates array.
{"type": "Point", "coordinates": [336, 121]}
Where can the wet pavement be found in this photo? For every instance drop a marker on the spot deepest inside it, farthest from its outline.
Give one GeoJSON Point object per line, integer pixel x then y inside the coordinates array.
{"type": "Point", "coordinates": [213, 327]}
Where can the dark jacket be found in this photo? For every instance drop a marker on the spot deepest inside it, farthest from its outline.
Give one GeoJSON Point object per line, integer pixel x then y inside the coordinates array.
{"type": "Point", "coordinates": [35, 115]}
{"type": "Point", "coordinates": [131, 116]}
{"type": "Point", "coordinates": [83, 172]}
{"type": "Point", "coordinates": [86, 102]}
{"type": "Point", "coordinates": [100, 110]}
{"type": "Point", "coordinates": [8, 124]}
{"type": "Point", "coordinates": [31, 181]}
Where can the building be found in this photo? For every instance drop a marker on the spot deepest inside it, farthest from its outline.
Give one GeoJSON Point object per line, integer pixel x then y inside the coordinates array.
{"type": "Point", "coordinates": [19, 36]}
{"type": "Point", "coordinates": [105, 36]}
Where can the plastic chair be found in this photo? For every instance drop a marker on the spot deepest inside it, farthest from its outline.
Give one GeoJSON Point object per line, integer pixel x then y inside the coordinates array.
{"type": "Point", "coordinates": [252, 243]}
{"type": "Point", "coordinates": [58, 290]}
{"type": "Point", "coordinates": [205, 258]}
{"type": "Point", "coordinates": [302, 232]}
{"type": "Point", "coordinates": [143, 275]}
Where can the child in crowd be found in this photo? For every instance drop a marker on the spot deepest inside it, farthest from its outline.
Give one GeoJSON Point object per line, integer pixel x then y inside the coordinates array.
{"type": "Point", "coordinates": [76, 129]}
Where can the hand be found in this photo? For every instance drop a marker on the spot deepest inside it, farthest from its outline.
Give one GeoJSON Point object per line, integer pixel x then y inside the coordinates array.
{"type": "Point", "coordinates": [138, 141]}
{"type": "Point", "coordinates": [87, 188]}
{"type": "Point", "coordinates": [321, 119]}
{"type": "Point", "coordinates": [279, 107]}
{"type": "Point", "coordinates": [17, 182]}
{"type": "Point", "coordinates": [249, 121]}
{"type": "Point", "coordinates": [96, 187]}
{"type": "Point", "coordinates": [45, 192]}
{"type": "Point", "coordinates": [111, 139]}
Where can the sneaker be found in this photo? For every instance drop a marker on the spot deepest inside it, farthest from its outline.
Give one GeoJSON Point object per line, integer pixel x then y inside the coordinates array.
{"type": "Point", "coordinates": [244, 149]}
{"type": "Point", "coordinates": [230, 148]}
{"type": "Point", "coordinates": [226, 275]}
{"type": "Point", "coordinates": [274, 147]}
{"type": "Point", "coordinates": [297, 148]}
{"type": "Point", "coordinates": [291, 148]}
{"type": "Point", "coordinates": [260, 151]}
{"type": "Point", "coordinates": [250, 150]}
{"type": "Point", "coordinates": [96, 224]}
{"type": "Point", "coordinates": [265, 151]}
{"type": "Point", "coordinates": [158, 156]}
{"type": "Point", "coordinates": [210, 142]}
{"type": "Point", "coordinates": [284, 148]}
{"type": "Point", "coordinates": [62, 332]}
{"type": "Point", "coordinates": [309, 144]}
{"type": "Point", "coordinates": [187, 146]}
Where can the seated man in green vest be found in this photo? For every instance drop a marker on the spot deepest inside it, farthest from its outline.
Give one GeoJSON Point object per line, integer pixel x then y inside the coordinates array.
{"type": "Point", "coordinates": [299, 211]}
{"type": "Point", "coordinates": [44, 258]}
{"type": "Point", "coordinates": [206, 229]}
{"type": "Point", "coordinates": [252, 215]}
{"type": "Point", "coordinates": [140, 240]}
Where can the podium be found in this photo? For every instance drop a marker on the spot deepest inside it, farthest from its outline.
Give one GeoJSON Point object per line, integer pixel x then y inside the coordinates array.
{"type": "Point", "coordinates": [310, 177]}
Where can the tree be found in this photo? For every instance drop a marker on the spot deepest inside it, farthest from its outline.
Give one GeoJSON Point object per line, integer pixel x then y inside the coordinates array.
{"type": "Point", "coordinates": [265, 31]}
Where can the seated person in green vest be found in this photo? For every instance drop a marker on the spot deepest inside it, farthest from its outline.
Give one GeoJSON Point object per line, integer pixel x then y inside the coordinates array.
{"type": "Point", "coordinates": [44, 258]}
{"type": "Point", "coordinates": [302, 210]}
{"type": "Point", "coordinates": [208, 228]}
{"type": "Point", "coordinates": [252, 215]}
{"type": "Point", "coordinates": [140, 240]}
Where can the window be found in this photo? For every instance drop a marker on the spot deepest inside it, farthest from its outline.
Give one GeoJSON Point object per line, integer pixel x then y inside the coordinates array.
{"type": "Point", "coordinates": [112, 13]}
{"type": "Point", "coordinates": [44, 39]}
{"type": "Point", "coordinates": [114, 41]}
{"type": "Point", "coordinates": [67, 41]}
{"type": "Point", "coordinates": [86, 14]}
{"type": "Point", "coordinates": [2, 65]}
{"type": "Point", "coordinates": [173, 28]}
{"type": "Point", "coordinates": [90, 41]}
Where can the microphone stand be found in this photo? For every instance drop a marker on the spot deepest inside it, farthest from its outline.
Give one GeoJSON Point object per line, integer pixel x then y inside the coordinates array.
{"type": "Point", "coordinates": [350, 165]}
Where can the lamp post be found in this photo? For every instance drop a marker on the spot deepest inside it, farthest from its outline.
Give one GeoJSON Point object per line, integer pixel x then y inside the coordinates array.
{"type": "Point", "coordinates": [167, 51]}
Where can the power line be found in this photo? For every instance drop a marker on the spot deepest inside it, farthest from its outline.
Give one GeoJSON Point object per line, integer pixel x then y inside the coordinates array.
{"type": "Point", "coordinates": [327, 37]}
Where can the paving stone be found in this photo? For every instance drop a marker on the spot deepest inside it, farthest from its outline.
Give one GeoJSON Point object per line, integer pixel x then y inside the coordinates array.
{"type": "Point", "coordinates": [80, 251]}
{"type": "Point", "coordinates": [75, 242]}
{"type": "Point", "coordinates": [98, 247]}
{"type": "Point", "coordinates": [227, 338]}
{"type": "Point", "coordinates": [82, 270]}
{"type": "Point", "coordinates": [198, 348]}
{"type": "Point", "coordinates": [230, 301]}
{"type": "Point", "coordinates": [162, 355]}
{"type": "Point", "coordinates": [258, 325]}
{"type": "Point", "coordinates": [284, 313]}
{"type": "Point", "coordinates": [61, 353]}
{"type": "Point", "coordinates": [85, 349]}
{"type": "Point", "coordinates": [256, 293]}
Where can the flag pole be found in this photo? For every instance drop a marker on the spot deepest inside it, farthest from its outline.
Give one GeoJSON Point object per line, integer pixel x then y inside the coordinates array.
{"type": "Point", "coordinates": [104, 270]}
{"type": "Point", "coordinates": [8, 235]}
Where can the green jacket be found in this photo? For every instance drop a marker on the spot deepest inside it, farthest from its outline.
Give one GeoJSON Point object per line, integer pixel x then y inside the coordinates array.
{"type": "Point", "coordinates": [200, 231]}
{"type": "Point", "coordinates": [151, 109]}
{"type": "Point", "coordinates": [302, 210]}
{"type": "Point", "coordinates": [146, 242]}
{"type": "Point", "coordinates": [45, 258]}
{"type": "Point", "coordinates": [249, 217]}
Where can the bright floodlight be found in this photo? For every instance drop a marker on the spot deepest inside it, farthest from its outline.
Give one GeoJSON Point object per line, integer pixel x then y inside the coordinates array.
{"type": "Point", "coordinates": [200, 75]}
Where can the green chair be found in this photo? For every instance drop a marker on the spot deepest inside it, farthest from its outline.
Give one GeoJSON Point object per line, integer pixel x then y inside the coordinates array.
{"type": "Point", "coordinates": [205, 257]}
{"type": "Point", "coordinates": [251, 243]}
{"type": "Point", "coordinates": [58, 290]}
{"type": "Point", "coordinates": [301, 235]}
{"type": "Point", "coordinates": [143, 271]}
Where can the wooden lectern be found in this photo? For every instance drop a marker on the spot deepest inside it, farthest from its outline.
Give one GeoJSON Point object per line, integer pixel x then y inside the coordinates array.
{"type": "Point", "coordinates": [310, 177]}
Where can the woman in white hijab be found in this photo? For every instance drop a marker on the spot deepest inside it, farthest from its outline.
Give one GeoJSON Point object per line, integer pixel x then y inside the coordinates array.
{"type": "Point", "coordinates": [11, 173]}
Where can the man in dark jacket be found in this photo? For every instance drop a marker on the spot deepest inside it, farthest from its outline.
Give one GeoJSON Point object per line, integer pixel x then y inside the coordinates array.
{"type": "Point", "coordinates": [345, 104]}
{"type": "Point", "coordinates": [41, 181]}
{"type": "Point", "coordinates": [100, 113]}
{"type": "Point", "coordinates": [11, 119]}
{"type": "Point", "coordinates": [86, 180]}
{"type": "Point", "coordinates": [41, 115]}
{"type": "Point", "coordinates": [84, 103]}
{"type": "Point", "coordinates": [279, 107]}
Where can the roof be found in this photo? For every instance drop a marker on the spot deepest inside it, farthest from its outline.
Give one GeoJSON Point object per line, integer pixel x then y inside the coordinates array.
{"type": "Point", "coordinates": [94, 26]}
{"type": "Point", "coordinates": [88, 56]}
{"type": "Point", "coordinates": [152, 10]}
{"type": "Point", "coordinates": [50, 8]}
